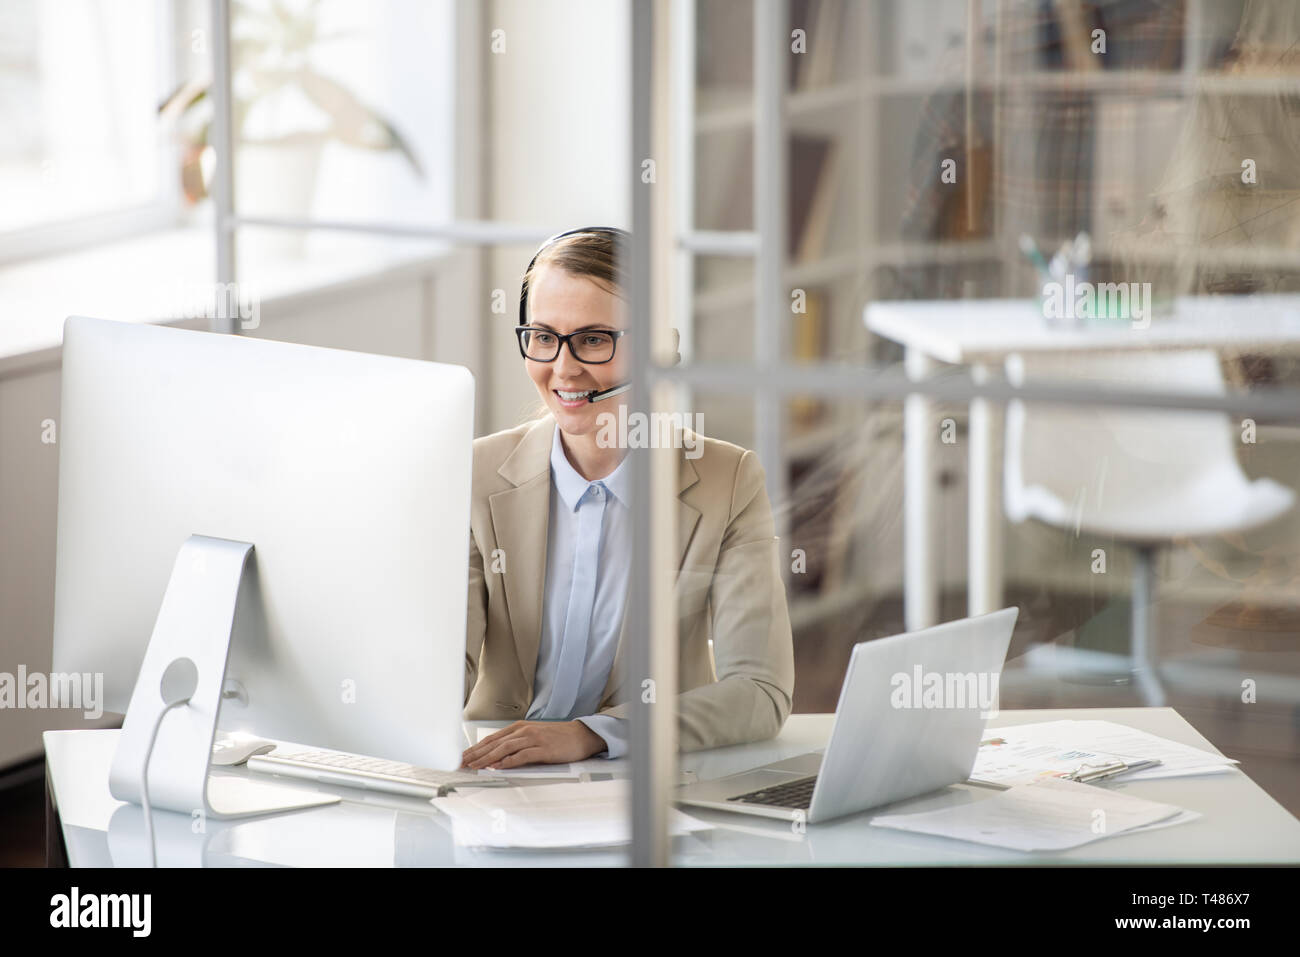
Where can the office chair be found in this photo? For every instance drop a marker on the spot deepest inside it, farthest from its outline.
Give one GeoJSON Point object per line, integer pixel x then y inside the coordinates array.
{"type": "Point", "coordinates": [1143, 476]}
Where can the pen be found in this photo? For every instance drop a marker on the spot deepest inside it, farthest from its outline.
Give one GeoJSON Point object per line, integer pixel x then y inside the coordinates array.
{"type": "Point", "coordinates": [1030, 249]}
{"type": "Point", "coordinates": [1103, 771]}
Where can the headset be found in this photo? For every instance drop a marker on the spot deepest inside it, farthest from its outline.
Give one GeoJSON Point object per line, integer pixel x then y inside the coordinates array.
{"type": "Point", "coordinates": [620, 236]}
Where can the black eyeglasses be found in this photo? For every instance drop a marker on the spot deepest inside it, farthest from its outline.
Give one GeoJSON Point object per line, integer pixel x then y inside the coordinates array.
{"type": "Point", "coordinates": [592, 346]}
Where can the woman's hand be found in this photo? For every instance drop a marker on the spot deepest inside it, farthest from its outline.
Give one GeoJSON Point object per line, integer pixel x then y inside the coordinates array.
{"type": "Point", "coordinates": [534, 742]}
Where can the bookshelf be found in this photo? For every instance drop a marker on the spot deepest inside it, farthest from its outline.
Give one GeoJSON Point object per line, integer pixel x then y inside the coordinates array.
{"type": "Point", "coordinates": [871, 77]}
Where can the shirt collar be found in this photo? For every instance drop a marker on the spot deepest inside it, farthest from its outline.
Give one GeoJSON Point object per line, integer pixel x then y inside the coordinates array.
{"type": "Point", "coordinates": [573, 486]}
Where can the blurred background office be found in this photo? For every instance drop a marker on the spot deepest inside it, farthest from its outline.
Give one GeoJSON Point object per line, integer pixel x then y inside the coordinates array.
{"type": "Point", "coordinates": [394, 164]}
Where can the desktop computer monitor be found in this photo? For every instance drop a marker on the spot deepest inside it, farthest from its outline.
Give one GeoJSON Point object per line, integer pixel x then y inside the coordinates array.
{"type": "Point", "coordinates": [348, 473]}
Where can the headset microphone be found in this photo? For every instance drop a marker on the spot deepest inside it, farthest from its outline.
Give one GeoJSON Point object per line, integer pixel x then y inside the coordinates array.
{"type": "Point", "coordinates": [617, 390]}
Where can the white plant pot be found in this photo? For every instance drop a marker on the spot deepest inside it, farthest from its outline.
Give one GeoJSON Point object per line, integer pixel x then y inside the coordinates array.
{"type": "Point", "coordinates": [279, 181]}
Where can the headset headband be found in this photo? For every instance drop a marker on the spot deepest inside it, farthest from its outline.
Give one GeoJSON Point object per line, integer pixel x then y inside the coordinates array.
{"type": "Point", "coordinates": [620, 235]}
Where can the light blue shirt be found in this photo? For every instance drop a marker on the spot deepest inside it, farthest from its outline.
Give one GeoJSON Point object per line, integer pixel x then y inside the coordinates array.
{"type": "Point", "coordinates": [588, 558]}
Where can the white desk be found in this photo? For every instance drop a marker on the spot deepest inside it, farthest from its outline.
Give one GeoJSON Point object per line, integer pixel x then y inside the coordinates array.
{"type": "Point", "coordinates": [981, 333]}
{"type": "Point", "coordinates": [1240, 823]}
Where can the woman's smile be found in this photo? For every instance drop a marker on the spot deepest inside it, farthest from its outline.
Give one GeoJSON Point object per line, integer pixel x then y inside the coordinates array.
{"type": "Point", "coordinates": [573, 399]}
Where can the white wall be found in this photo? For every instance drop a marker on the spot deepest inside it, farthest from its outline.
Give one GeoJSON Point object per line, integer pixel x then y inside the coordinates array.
{"type": "Point", "coordinates": [559, 101]}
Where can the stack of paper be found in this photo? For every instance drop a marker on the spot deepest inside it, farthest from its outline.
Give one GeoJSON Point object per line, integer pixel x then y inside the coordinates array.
{"type": "Point", "coordinates": [1048, 815]}
{"type": "Point", "coordinates": [591, 814]}
{"type": "Point", "coordinates": [1025, 752]}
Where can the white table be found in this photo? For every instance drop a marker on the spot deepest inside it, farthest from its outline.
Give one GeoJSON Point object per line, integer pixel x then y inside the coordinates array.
{"type": "Point", "coordinates": [1240, 822]}
{"type": "Point", "coordinates": [981, 333]}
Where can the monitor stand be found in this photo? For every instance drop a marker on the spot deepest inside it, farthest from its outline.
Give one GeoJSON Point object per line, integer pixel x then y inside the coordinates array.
{"type": "Point", "coordinates": [196, 622]}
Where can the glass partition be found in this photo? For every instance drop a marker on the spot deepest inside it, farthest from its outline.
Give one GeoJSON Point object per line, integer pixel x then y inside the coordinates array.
{"type": "Point", "coordinates": [1037, 350]}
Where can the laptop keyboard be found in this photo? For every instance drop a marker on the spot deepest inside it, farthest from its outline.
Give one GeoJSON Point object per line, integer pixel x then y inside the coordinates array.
{"type": "Point", "coordinates": [796, 794]}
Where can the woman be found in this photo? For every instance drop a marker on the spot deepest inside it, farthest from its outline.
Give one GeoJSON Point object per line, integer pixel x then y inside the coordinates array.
{"type": "Point", "coordinates": [550, 549]}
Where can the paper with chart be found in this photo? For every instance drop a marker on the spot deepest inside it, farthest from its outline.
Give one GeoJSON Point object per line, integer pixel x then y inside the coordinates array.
{"type": "Point", "coordinates": [1011, 756]}
{"type": "Point", "coordinates": [1021, 753]}
{"type": "Point", "coordinates": [1176, 760]}
{"type": "Point", "coordinates": [1050, 814]}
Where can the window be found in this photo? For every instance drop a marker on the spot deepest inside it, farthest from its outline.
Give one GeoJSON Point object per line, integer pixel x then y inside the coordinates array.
{"type": "Point", "coordinates": [80, 82]}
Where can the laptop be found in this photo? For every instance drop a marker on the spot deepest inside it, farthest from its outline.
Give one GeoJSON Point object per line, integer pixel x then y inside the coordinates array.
{"type": "Point", "coordinates": [910, 717]}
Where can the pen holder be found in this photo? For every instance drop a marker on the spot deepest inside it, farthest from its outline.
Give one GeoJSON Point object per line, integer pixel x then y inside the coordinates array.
{"type": "Point", "coordinates": [1074, 300]}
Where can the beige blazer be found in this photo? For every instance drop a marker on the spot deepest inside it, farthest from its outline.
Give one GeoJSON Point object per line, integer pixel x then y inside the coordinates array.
{"type": "Point", "coordinates": [728, 588]}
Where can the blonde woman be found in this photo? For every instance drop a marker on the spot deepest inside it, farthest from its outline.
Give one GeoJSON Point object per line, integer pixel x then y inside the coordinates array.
{"type": "Point", "coordinates": [550, 550]}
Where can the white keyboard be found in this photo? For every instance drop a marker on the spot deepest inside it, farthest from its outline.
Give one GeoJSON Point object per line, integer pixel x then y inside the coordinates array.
{"type": "Point", "coordinates": [375, 774]}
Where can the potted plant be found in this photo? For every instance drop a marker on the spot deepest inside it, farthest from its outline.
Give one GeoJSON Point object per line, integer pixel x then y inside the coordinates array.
{"type": "Point", "coordinates": [283, 110]}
